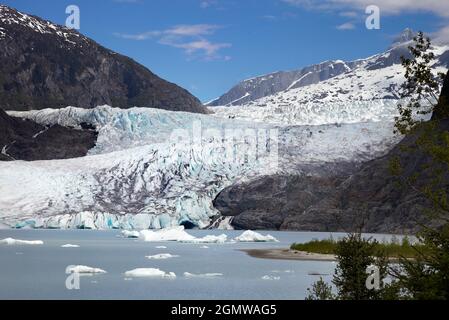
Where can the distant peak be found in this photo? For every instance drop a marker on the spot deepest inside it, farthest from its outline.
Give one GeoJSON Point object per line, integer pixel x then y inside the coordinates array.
{"type": "Point", "coordinates": [405, 36]}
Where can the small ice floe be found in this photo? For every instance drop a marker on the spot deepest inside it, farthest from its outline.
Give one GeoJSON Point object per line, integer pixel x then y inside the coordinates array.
{"type": "Point", "coordinates": [161, 256]}
{"type": "Point", "coordinates": [84, 270]}
{"type": "Point", "coordinates": [130, 234]}
{"type": "Point", "coordinates": [11, 241]}
{"type": "Point", "coordinates": [161, 247]}
{"type": "Point", "coordinates": [267, 277]}
{"type": "Point", "coordinates": [282, 271]}
{"type": "Point", "coordinates": [251, 236]}
{"type": "Point", "coordinates": [208, 239]}
{"type": "Point", "coordinates": [204, 247]}
{"type": "Point", "coordinates": [68, 245]}
{"type": "Point", "coordinates": [202, 275]}
{"type": "Point", "coordinates": [150, 273]}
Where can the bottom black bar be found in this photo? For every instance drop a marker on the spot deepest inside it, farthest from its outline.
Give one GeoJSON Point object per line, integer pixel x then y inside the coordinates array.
{"type": "Point", "coordinates": [223, 309]}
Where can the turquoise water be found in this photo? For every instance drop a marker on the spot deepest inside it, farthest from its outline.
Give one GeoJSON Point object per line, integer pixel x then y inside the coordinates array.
{"type": "Point", "coordinates": [38, 271]}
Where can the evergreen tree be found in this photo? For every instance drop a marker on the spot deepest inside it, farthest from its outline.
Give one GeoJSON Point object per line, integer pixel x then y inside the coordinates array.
{"type": "Point", "coordinates": [354, 255]}
{"type": "Point", "coordinates": [427, 276]}
{"type": "Point", "coordinates": [320, 291]}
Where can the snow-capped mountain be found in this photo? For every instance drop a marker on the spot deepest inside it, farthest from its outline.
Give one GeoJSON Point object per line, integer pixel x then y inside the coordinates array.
{"type": "Point", "coordinates": [376, 77]}
{"type": "Point", "coordinates": [258, 87]}
{"type": "Point", "coordinates": [44, 65]}
{"type": "Point", "coordinates": [153, 168]}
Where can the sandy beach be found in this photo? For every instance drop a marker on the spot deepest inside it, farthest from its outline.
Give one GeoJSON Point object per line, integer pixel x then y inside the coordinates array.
{"type": "Point", "coordinates": [288, 254]}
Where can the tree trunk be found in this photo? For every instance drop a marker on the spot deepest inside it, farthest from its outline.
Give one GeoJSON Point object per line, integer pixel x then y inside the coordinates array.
{"type": "Point", "coordinates": [441, 110]}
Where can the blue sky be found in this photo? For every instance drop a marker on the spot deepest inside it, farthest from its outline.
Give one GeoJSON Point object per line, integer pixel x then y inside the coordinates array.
{"type": "Point", "coordinates": [207, 46]}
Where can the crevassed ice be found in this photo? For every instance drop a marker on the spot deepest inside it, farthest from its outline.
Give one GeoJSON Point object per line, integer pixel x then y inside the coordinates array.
{"type": "Point", "coordinates": [136, 178]}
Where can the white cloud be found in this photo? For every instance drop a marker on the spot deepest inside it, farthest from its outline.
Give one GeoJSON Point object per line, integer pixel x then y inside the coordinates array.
{"type": "Point", "coordinates": [128, 1]}
{"type": "Point", "coordinates": [202, 46]}
{"type": "Point", "coordinates": [207, 3]}
{"type": "Point", "coordinates": [190, 38]}
{"type": "Point", "coordinates": [139, 36]}
{"type": "Point", "coordinates": [192, 30]}
{"type": "Point", "coordinates": [269, 17]}
{"type": "Point", "coordinates": [441, 36]}
{"type": "Point", "coordinates": [346, 26]}
{"type": "Point", "coordinates": [349, 14]}
{"type": "Point", "coordinates": [438, 7]}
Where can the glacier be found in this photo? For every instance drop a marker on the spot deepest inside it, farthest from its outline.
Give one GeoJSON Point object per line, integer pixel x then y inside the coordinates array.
{"type": "Point", "coordinates": [153, 169]}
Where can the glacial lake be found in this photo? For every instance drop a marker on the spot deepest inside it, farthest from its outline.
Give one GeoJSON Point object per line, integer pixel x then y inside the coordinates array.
{"type": "Point", "coordinates": [38, 271]}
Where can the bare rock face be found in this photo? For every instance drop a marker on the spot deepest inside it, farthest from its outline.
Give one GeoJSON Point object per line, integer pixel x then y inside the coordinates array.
{"type": "Point", "coordinates": [43, 65]}
{"type": "Point", "coordinates": [268, 202]}
{"type": "Point", "coordinates": [22, 139]}
{"type": "Point", "coordinates": [372, 197]}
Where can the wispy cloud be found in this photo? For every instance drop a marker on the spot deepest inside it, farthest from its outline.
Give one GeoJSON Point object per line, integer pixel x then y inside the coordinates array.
{"type": "Point", "coordinates": [208, 3]}
{"type": "Point", "coordinates": [128, 1]}
{"type": "Point", "coordinates": [346, 26]}
{"type": "Point", "coordinates": [209, 50]}
{"type": "Point", "coordinates": [438, 7]}
{"type": "Point", "coordinates": [349, 14]}
{"type": "Point", "coordinates": [269, 17]}
{"type": "Point", "coordinates": [441, 36]}
{"type": "Point", "coordinates": [190, 38]}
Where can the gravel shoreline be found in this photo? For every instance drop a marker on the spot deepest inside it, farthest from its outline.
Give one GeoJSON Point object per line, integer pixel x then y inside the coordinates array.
{"type": "Point", "coordinates": [288, 254]}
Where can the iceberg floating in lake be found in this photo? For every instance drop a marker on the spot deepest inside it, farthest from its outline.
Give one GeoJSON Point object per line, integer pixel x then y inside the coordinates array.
{"type": "Point", "coordinates": [70, 246]}
{"type": "Point", "coordinates": [161, 256]}
{"type": "Point", "coordinates": [178, 234]}
{"type": "Point", "coordinates": [267, 277]}
{"type": "Point", "coordinates": [203, 275]}
{"type": "Point", "coordinates": [208, 239]}
{"type": "Point", "coordinates": [251, 236]}
{"type": "Point", "coordinates": [84, 269]}
{"type": "Point", "coordinates": [150, 272]}
{"type": "Point", "coordinates": [167, 234]}
{"type": "Point", "coordinates": [130, 234]}
{"type": "Point", "coordinates": [11, 241]}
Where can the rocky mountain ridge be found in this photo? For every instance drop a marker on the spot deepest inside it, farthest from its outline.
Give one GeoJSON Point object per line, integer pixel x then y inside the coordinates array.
{"type": "Point", "coordinates": [44, 65]}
